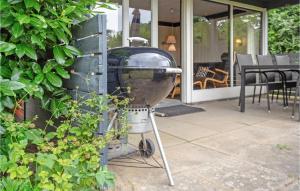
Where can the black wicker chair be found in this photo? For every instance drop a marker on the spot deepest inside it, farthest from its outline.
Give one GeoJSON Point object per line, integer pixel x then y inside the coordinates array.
{"type": "Point", "coordinates": [250, 76]}
{"type": "Point", "coordinates": [291, 75]}
{"type": "Point", "coordinates": [274, 84]}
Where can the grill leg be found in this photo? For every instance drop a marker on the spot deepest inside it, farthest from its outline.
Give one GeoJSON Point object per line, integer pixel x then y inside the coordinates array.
{"type": "Point", "coordinates": [161, 149]}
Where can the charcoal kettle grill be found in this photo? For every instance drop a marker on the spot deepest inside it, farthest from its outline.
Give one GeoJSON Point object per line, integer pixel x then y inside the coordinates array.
{"type": "Point", "coordinates": [149, 75]}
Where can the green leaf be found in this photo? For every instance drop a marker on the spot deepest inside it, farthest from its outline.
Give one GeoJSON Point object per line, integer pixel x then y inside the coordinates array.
{"type": "Point", "coordinates": [47, 160]}
{"type": "Point", "coordinates": [62, 72]}
{"type": "Point", "coordinates": [12, 85]}
{"type": "Point", "coordinates": [5, 71]}
{"type": "Point", "coordinates": [1, 109]}
{"type": "Point", "coordinates": [2, 131]}
{"type": "Point", "coordinates": [16, 74]}
{"type": "Point", "coordinates": [35, 39]}
{"type": "Point", "coordinates": [50, 135]}
{"type": "Point", "coordinates": [30, 52]}
{"type": "Point", "coordinates": [14, 1]}
{"type": "Point", "coordinates": [61, 35]}
{"type": "Point", "coordinates": [20, 50]}
{"type": "Point", "coordinates": [39, 93]}
{"type": "Point", "coordinates": [3, 163]}
{"type": "Point", "coordinates": [66, 29]}
{"type": "Point", "coordinates": [68, 10]}
{"type": "Point", "coordinates": [39, 78]}
{"type": "Point", "coordinates": [8, 102]}
{"type": "Point", "coordinates": [73, 50]}
{"type": "Point", "coordinates": [69, 62]}
{"type": "Point", "coordinates": [6, 21]}
{"type": "Point", "coordinates": [6, 47]}
{"type": "Point", "coordinates": [40, 17]}
{"type": "Point", "coordinates": [37, 23]}
{"type": "Point", "coordinates": [3, 5]}
{"type": "Point", "coordinates": [27, 50]}
{"type": "Point", "coordinates": [36, 68]}
{"type": "Point", "coordinates": [59, 54]}
{"type": "Point", "coordinates": [34, 135]}
{"type": "Point", "coordinates": [17, 30]}
{"type": "Point", "coordinates": [32, 3]}
{"type": "Point", "coordinates": [7, 91]}
{"type": "Point", "coordinates": [54, 79]}
{"type": "Point", "coordinates": [23, 19]}
{"type": "Point", "coordinates": [48, 66]}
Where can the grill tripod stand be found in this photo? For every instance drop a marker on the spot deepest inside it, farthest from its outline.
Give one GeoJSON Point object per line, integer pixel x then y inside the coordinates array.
{"type": "Point", "coordinates": [157, 136]}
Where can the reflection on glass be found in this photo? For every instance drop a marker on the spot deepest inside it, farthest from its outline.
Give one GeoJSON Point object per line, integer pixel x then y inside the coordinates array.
{"type": "Point", "coordinates": [246, 35]}
{"type": "Point", "coordinates": [211, 65]}
{"type": "Point", "coordinates": [140, 19]}
{"type": "Point", "coordinates": [114, 21]}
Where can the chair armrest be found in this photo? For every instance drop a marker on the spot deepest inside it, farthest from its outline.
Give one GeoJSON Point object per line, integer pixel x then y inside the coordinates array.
{"type": "Point", "coordinates": [208, 70]}
{"type": "Point", "coordinates": [221, 71]}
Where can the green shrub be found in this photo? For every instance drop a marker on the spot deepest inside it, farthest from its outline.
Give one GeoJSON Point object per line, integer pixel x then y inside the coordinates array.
{"type": "Point", "coordinates": [35, 49]}
{"type": "Point", "coordinates": [32, 158]}
{"type": "Point", "coordinates": [284, 29]}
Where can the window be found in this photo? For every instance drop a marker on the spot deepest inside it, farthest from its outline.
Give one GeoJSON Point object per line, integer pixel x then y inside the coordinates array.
{"type": "Point", "coordinates": [140, 19]}
{"type": "Point", "coordinates": [211, 64]}
{"type": "Point", "coordinates": [114, 21]}
{"type": "Point", "coordinates": [246, 35]}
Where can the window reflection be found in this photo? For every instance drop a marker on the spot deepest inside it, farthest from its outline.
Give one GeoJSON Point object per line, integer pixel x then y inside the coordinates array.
{"type": "Point", "coordinates": [246, 35]}
{"type": "Point", "coordinates": [211, 64]}
{"type": "Point", "coordinates": [113, 12]}
{"type": "Point", "coordinates": [140, 19]}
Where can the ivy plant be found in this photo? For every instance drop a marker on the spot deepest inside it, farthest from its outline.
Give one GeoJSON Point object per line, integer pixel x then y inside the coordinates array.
{"type": "Point", "coordinates": [284, 29]}
{"type": "Point", "coordinates": [36, 48]}
{"type": "Point", "coordinates": [35, 159]}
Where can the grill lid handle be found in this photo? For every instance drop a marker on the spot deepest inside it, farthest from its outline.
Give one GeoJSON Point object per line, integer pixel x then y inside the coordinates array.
{"type": "Point", "coordinates": [173, 70]}
{"type": "Point", "coordinates": [137, 39]}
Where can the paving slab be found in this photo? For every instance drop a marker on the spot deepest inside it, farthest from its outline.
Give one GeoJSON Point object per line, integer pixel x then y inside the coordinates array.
{"type": "Point", "coordinates": [281, 154]}
{"type": "Point", "coordinates": [186, 131]}
{"type": "Point", "coordinates": [229, 143]}
{"type": "Point", "coordinates": [242, 175]}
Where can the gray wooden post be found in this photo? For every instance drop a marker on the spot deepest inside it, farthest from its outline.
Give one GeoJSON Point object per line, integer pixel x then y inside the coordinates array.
{"type": "Point", "coordinates": [89, 72]}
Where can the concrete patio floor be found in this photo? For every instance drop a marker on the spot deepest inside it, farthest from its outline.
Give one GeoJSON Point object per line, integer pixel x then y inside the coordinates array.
{"type": "Point", "coordinates": [222, 149]}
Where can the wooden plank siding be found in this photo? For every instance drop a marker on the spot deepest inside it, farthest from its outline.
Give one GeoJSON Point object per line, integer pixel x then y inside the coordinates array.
{"type": "Point", "coordinates": [88, 73]}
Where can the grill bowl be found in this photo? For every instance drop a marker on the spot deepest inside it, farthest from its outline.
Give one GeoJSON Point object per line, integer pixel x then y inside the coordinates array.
{"type": "Point", "coordinates": [148, 74]}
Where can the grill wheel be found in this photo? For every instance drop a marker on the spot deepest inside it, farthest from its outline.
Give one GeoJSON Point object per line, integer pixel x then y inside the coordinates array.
{"type": "Point", "coordinates": [147, 151]}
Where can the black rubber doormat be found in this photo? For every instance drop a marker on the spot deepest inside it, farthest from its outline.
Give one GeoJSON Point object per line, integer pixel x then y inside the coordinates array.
{"type": "Point", "coordinates": [176, 110]}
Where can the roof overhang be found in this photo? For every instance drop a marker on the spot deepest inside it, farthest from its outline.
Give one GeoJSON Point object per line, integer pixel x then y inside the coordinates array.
{"type": "Point", "coordinates": [269, 4]}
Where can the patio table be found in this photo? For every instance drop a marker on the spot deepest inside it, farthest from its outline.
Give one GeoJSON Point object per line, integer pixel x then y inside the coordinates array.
{"type": "Point", "coordinates": [261, 68]}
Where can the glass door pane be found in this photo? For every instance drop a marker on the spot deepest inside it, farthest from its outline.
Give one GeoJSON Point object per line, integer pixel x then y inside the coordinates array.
{"type": "Point", "coordinates": [211, 63]}
{"type": "Point", "coordinates": [113, 21]}
{"type": "Point", "coordinates": [246, 35]}
{"type": "Point", "coordinates": [140, 19]}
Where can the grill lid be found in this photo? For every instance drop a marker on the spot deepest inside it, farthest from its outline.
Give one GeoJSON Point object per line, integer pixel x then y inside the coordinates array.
{"type": "Point", "coordinates": [140, 57]}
